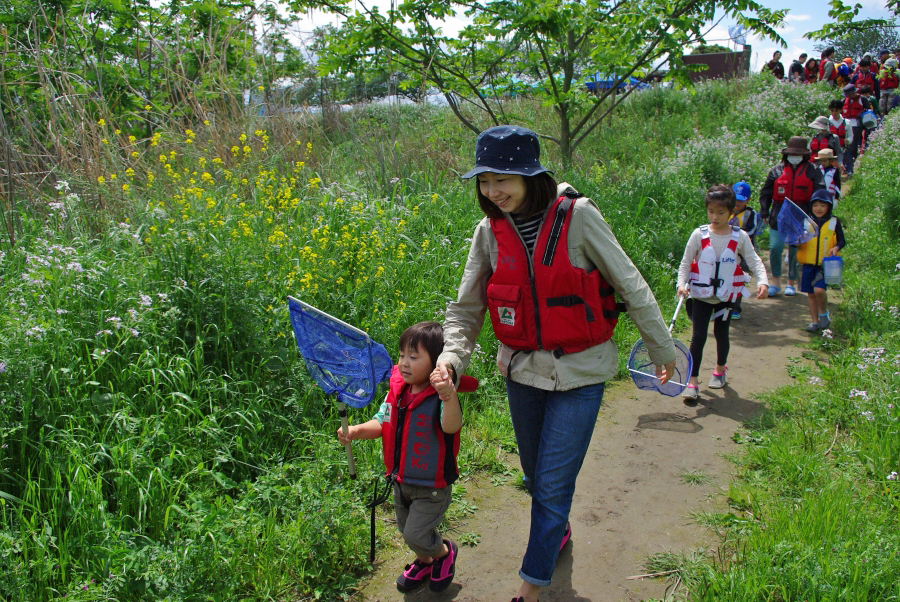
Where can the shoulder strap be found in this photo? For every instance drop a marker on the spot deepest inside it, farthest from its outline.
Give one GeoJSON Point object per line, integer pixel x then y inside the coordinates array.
{"type": "Point", "coordinates": [559, 218]}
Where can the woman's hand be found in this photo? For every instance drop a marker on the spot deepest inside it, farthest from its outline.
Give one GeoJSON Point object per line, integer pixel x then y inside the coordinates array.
{"type": "Point", "coordinates": [664, 373]}
{"type": "Point", "coordinates": [444, 371]}
{"type": "Point", "coordinates": [683, 291]}
{"type": "Point", "coordinates": [443, 386]}
{"type": "Point", "coordinates": [762, 291]}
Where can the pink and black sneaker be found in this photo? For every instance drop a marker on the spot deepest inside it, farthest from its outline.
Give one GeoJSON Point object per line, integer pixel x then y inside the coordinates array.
{"type": "Point", "coordinates": [566, 536]}
{"type": "Point", "coordinates": [443, 569]}
{"type": "Point", "coordinates": [414, 575]}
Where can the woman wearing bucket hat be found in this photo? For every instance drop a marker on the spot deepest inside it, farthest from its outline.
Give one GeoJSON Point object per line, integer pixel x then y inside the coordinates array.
{"type": "Point", "coordinates": [795, 179]}
{"type": "Point", "coordinates": [823, 138]}
{"type": "Point", "coordinates": [545, 266]}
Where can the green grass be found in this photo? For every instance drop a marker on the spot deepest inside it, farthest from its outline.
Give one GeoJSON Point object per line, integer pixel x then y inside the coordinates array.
{"type": "Point", "coordinates": [160, 437]}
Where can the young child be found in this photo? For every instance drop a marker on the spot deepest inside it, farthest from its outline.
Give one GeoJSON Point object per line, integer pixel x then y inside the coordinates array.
{"type": "Point", "coordinates": [837, 124]}
{"type": "Point", "coordinates": [711, 274]}
{"type": "Point", "coordinates": [827, 243]}
{"type": "Point", "coordinates": [828, 164]}
{"type": "Point", "coordinates": [419, 427]}
{"type": "Point", "coordinates": [744, 218]}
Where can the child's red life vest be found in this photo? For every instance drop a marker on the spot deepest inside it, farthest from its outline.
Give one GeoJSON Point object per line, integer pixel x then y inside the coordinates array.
{"type": "Point", "coordinates": [543, 301]}
{"type": "Point", "coordinates": [852, 108]}
{"type": "Point", "coordinates": [865, 79]}
{"type": "Point", "coordinates": [722, 278]}
{"type": "Point", "coordinates": [889, 82]}
{"type": "Point", "coordinates": [796, 186]}
{"type": "Point", "coordinates": [841, 132]}
{"type": "Point", "coordinates": [416, 450]}
{"type": "Point", "coordinates": [818, 142]}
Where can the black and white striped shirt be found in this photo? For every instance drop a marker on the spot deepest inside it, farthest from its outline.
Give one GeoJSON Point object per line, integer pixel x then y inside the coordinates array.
{"type": "Point", "coordinates": [528, 228]}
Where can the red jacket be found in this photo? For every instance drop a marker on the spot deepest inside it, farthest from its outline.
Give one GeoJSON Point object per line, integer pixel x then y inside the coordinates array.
{"type": "Point", "coordinates": [547, 303]}
{"type": "Point", "coordinates": [840, 131]}
{"type": "Point", "coordinates": [415, 448]}
{"type": "Point", "coordinates": [889, 82]}
{"type": "Point", "coordinates": [853, 107]}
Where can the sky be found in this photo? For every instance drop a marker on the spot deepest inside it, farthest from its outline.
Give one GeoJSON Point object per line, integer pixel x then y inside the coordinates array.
{"type": "Point", "coordinates": [803, 16]}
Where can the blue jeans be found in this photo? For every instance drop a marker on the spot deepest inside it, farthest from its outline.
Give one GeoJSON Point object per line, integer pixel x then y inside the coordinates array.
{"type": "Point", "coordinates": [776, 248]}
{"type": "Point", "coordinates": [553, 431]}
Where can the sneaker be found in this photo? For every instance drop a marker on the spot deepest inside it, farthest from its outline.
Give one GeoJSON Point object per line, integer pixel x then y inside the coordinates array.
{"type": "Point", "coordinates": [443, 569]}
{"type": "Point", "coordinates": [789, 291]}
{"type": "Point", "coordinates": [735, 315]}
{"type": "Point", "coordinates": [566, 536]}
{"type": "Point", "coordinates": [717, 381]}
{"type": "Point", "coordinates": [813, 327]}
{"type": "Point", "coordinates": [824, 321]}
{"type": "Point", "coordinates": [414, 575]}
{"type": "Point", "coordinates": [689, 395]}
{"type": "Point", "coordinates": [774, 290]}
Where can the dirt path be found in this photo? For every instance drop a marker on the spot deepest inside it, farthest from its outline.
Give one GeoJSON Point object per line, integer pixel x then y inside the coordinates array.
{"type": "Point", "coordinates": [631, 500]}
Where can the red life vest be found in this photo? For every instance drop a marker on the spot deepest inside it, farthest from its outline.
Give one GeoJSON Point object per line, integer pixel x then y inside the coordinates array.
{"type": "Point", "coordinates": [796, 186]}
{"type": "Point", "coordinates": [811, 76]}
{"type": "Point", "coordinates": [416, 451]}
{"type": "Point", "coordinates": [546, 302]}
{"type": "Point", "coordinates": [889, 82]}
{"type": "Point", "coordinates": [817, 143]}
{"type": "Point", "coordinates": [865, 79]}
{"type": "Point", "coordinates": [840, 131]}
{"type": "Point", "coordinates": [853, 107]}
{"type": "Point", "coordinates": [822, 64]}
{"type": "Point", "coordinates": [711, 277]}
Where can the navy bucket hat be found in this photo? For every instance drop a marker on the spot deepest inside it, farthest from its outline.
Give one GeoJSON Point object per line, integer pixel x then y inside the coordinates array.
{"type": "Point", "coordinates": [507, 149]}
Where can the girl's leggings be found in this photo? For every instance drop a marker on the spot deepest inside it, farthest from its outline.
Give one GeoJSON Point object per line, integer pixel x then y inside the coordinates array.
{"type": "Point", "coordinates": [776, 248]}
{"type": "Point", "coordinates": [701, 312]}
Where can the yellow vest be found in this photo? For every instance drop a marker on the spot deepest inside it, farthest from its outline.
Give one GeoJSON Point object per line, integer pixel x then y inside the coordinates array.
{"type": "Point", "coordinates": [815, 250]}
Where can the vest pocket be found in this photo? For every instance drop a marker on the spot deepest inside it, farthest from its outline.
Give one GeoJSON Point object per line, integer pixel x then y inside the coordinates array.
{"type": "Point", "coordinates": [507, 309]}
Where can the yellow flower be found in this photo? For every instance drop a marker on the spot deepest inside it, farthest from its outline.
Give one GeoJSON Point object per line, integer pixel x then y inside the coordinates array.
{"type": "Point", "coordinates": [242, 137]}
{"type": "Point", "coordinates": [105, 141]}
{"type": "Point", "coordinates": [118, 131]}
{"type": "Point", "coordinates": [129, 172]}
{"type": "Point", "coordinates": [210, 204]}
{"type": "Point", "coordinates": [246, 150]}
{"type": "Point", "coordinates": [147, 107]}
{"type": "Point", "coordinates": [101, 123]}
{"type": "Point", "coordinates": [135, 154]}
{"type": "Point", "coordinates": [113, 176]}
{"type": "Point", "coordinates": [172, 154]}
{"type": "Point", "coordinates": [132, 139]}
{"type": "Point", "coordinates": [101, 179]}
{"type": "Point", "coordinates": [126, 187]}
{"type": "Point", "coordinates": [206, 122]}
{"type": "Point", "coordinates": [261, 88]}
{"type": "Point", "coordinates": [235, 150]}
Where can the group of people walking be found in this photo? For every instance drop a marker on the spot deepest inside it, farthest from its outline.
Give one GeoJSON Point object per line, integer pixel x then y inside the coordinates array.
{"type": "Point", "coordinates": [547, 269]}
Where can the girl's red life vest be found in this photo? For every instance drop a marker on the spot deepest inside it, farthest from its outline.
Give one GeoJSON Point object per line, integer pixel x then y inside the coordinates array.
{"type": "Point", "coordinates": [811, 75]}
{"type": "Point", "coordinates": [818, 142]}
{"type": "Point", "coordinates": [833, 75]}
{"type": "Point", "coordinates": [813, 252]}
{"type": "Point", "coordinates": [722, 278]}
{"type": "Point", "coordinates": [841, 132]}
{"type": "Point", "coordinates": [542, 301]}
{"type": "Point", "coordinates": [416, 450]}
{"type": "Point", "coordinates": [852, 108]}
{"type": "Point", "coordinates": [889, 82]}
{"type": "Point", "coordinates": [794, 185]}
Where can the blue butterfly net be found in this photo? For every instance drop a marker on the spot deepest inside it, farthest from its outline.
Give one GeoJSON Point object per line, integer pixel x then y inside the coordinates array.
{"type": "Point", "coordinates": [643, 370]}
{"type": "Point", "coordinates": [794, 225]}
{"type": "Point", "coordinates": [343, 360]}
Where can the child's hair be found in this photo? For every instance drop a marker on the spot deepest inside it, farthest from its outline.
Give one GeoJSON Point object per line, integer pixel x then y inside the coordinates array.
{"type": "Point", "coordinates": [721, 195]}
{"type": "Point", "coordinates": [865, 63]}
{"type": "Point", "coordinates": [540, 191]}
{"type": "Point", "coordinates": [865, 89]}
{"type": "Point", "coordinates": [430, 335]}
{"type": "Point", "coordinates": [836, 104]}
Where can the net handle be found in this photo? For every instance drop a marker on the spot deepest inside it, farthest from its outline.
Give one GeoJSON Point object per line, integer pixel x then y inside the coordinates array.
{"type": "Point", "coordinates": [654, 377]}
{"type": "Point", "coordinates": [677, 309]}
{"type": "Point", "coordinates": [342, 412]}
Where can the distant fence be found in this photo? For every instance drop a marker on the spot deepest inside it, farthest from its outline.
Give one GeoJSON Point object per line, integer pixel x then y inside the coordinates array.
{"type": "Point", "coordinates": [722, 65]}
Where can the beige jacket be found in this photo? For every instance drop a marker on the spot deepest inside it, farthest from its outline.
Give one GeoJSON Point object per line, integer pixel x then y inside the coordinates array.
{"type": "Point", "coordinates": [592, 245]}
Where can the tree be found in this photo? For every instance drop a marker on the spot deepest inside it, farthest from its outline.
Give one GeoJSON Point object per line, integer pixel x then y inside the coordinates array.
{"type": "Point", "coordinates": [857, 37]}
{"type": "Point", "coordinates": [858, 42]}
{"type": "Point", "coordinates": [546, 46]}
{"type": "Point", "coordinates": [710, 49]}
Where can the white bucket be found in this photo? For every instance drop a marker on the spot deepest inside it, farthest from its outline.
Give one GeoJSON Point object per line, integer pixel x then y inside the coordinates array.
{"type": "Point", "coordinates": [833, 267]}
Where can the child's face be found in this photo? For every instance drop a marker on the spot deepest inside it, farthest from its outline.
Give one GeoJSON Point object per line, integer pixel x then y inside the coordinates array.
{"type": "Point", "coordinates": [415, 366]}
{"type": "Point", "coordinates": [835, 113]}
{"type": "Point", "coordinates": [819, 208]}
{"type": "Point", "coordinates": [718, 215]}
{"type": "Point", "coordinates": [740, 206]}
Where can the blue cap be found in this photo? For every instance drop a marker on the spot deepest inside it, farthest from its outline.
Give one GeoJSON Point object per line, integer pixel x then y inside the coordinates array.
{"type": "Point", "coordinates": [741, 191]}
{"type": "Point", "coordinates": [822, 196]}
{"type": "Point", "coordinates": [507, 149]}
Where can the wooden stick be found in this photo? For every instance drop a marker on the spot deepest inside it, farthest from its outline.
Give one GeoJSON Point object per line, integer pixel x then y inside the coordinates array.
{"type": "Point", "coordinates": [833, 441]}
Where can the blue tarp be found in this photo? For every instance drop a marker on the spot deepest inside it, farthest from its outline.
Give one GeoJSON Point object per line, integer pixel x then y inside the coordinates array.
{"type": "Point", "coordinates": [598, 83]}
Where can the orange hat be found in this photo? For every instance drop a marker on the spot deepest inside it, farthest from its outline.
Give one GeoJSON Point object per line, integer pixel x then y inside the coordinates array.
{"type": "Point", "coordinates": [848, 60]}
